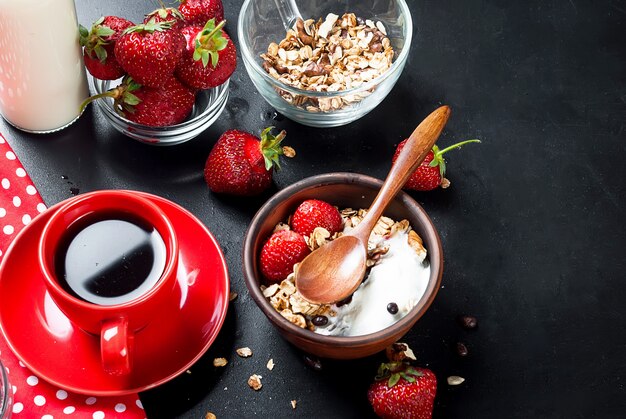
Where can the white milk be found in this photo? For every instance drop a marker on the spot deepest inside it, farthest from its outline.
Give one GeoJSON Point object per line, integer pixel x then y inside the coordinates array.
{"type": "Point", "coordinates": [42, 76]}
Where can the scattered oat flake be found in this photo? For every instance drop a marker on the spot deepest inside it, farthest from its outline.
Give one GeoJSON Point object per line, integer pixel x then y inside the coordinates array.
{"type": "Point", "coordinates": [293, 404]}
{"type": "Point", "coordinates": [233, 296]}
{"type": "Point", "coordinates": [455, 380]}
{"type": "Point", "coordinates": [408, 352]}
{"type": "Point", "coordinates": [210, 415]}
{"type": "Point", "coordinates": [220, 362]}
{"type": "Point", "coordinates": [255, 382]}
{"type": "Point", "coordinates": [270, 364]}
{"type": "Point", "coordinates": [244, 352]}
{"type": "Point", "coordinates": [289, 152]}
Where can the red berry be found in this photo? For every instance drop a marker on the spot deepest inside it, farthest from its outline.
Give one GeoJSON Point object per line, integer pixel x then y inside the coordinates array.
{"type": "Point", "coordinates": [280, 252]}
{"type": "Point", "coordinates": [149, 52]}
{"type": "Point", "coordinates": [209, 58]}
{"type": "Point", "coordinates": [198, 12]}
{"type": "Point", "coordinates": [314, 213]}
{"type": "Point", "coordinates": [430, 173]}
{"type": "Point", "coordinates": [403, 392]}
{"type": "Point", "coordinates": [152, 106]}
{"type": "Point", "coordinates": [99, 45]}
{"type": "Point", "coordinates": [241, 164]}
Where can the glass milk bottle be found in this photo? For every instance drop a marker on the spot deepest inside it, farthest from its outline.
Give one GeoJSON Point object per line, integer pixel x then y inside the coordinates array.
{"type": "Point", "coordinates": [42, 76]}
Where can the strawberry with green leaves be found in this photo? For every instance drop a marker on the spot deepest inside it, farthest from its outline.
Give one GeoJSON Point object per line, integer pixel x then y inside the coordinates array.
{"type": "Point", "coordinates": [242, 164]}
{"type": "Point", "coordinates": [403, 392]}
{"type": "Point", "coordinates": [209, 57]}
{"type": "Point", "coordinates": [166, 14]}
{"type": "Point", "coordinates": [279, 253]}
{"type": "Point", "coordinates": [430, 174]}
{"type": "Point", "coordinates": [167, 105]}
{"type": "Point", "coordinates": [198, 12]}
{"type": "Point", "coordinates": [313, 213]}
{"type": "Point", "coordinates": [149, 52]}
{"type": "Point", "coordinates": [99, 45]}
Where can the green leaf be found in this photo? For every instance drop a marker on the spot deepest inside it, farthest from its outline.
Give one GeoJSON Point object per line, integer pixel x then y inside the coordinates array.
{"type": "Point", "coordinates": [101, 53]}
{"type": "Point", "coordinates": [433, 163]}
{"type": "Point", "coordinates": [131, 99]}
{"type": "Point", "coordinates": [214, 58]}
{"type": "Point", "coordinates": [393, 380]}
{"type": "Point", "coordinates": [205, 57]}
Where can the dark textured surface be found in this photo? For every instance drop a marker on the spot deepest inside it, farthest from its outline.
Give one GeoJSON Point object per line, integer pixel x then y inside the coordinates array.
{"type": "Point", "coordinates": [532, 227]}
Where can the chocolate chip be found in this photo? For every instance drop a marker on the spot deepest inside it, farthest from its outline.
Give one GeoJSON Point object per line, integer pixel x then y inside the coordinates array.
{"type": "Point", "coordinates": [320, 320]}
{"type": "Point", "coordinates": [392, 308]}
{"type": "Point", "coordinates": [468, 322]}
{"type": "Point", "coordinates": [461, 349]}
{"type": "Point", "coordinates": [312, 362]}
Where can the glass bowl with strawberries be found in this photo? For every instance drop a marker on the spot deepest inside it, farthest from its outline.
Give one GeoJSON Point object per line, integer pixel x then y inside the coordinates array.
{"type": "Point", "coordinates": [165, 80]}
{"type": "Point", "coordinates": [324, 63]}
{"type": "Point", "coordinates": [405, 265]}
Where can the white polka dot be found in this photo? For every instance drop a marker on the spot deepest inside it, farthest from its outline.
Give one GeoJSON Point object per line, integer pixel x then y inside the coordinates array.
{"type": "Point", "coordinates": [32, 380]}
{"type": "Point", "coordinates": [98, 415]}
{"type": "Point", "coordinates": [17, 201]}
{"type": "Point", "coordinates": [139, 404]}
{"type": "Point", "coordinates": [120, 407]}
{"type": "Point", "coordinates": [21, 364]}
{"type": "Point", "coordinates": [3, 212]}
{"type": "Point", "coordinates": [10, 155]}
{"type": "Point", "coordinates": [30, 189]}
{"type": "Point", "coordinates": [0, 252]}
{"type": "Point", "coordinates": [47, 417]}
{"type": "Point", "coordinates": [6, 184]}
{"type": "Point", "coordinates": [1, 139]}
{"type": "Point", "coordinates": [61, 394]}
{"type": "Point", "coordinates": [39, 400]}
{"type": "Point", "coordinates": [14, 389]}
{"type": "Point", "coordinates": [26, 219]}
{"type": "Point", "coordinates": [18, 407]}
{"type": "Point", "coordinates": [20, 172]}
{"type": "Point", "coordinates": [41, 207]}
{"type": "Point", "coordinates": [69, 410]}
{"type": "Point", "coordinates": [90, 400]}
{"type": "Point", "coordinates": [8, 229]}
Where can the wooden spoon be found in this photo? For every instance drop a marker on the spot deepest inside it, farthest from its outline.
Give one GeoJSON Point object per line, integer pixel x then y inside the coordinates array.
{"type": "Point", "coordinates": [335, 270]}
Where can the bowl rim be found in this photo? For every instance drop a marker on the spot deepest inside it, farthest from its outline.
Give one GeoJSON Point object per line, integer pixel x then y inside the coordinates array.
{"type": "Point", "coordinates": [105, 105]}
{"type": "Point", "coordinates": [251, 62]}
{"type": "Point", "coordinates": [435, 255]}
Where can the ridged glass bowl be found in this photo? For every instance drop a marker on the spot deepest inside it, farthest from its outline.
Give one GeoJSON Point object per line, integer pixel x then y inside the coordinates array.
{"type": "Point", "coordinates": [208, 107]}
{"type": "Point", "coordinates": [260, 23]}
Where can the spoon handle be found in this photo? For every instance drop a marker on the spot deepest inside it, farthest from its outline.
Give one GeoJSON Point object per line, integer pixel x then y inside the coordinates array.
{"type": "Point", "coordinates": [413, 153]}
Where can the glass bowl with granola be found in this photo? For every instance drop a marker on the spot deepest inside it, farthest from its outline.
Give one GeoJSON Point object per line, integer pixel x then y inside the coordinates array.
{"type": "Point", "coordinates": [331, 64]}
{"type": "Point", "coordinates": [405, 267]}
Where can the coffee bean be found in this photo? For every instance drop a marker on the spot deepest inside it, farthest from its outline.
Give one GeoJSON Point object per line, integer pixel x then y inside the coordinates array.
{"type": "Point", "coordinates": [392, 308]}
{"type": "Point", "coordinates": [320, 320]}
{"type": "Point", "coordinates": [468, 322]}
{"type": "Point", "coordinates": [312, 362]}
{"type": "Point", "coordinates": [461, 349]}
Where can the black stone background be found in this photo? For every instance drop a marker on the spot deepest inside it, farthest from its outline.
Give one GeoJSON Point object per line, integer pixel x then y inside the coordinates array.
{"type": "Point", "coordinates": [532, 226]}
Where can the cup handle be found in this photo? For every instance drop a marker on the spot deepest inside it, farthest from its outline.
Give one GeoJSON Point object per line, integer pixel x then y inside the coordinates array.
{"type": "Point", "coordinates": [116, 346]}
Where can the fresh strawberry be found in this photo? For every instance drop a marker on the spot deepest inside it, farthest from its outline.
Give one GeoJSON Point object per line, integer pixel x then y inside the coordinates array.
{"type": "Point", "coordinates": [198, 12]}
{"type": "Point", "coordinates": [149, 52]}
{"type": "Point", "coordinates": [314, 213]}
{"type": "Point", "coordinates": [241, 164]}
{"type": "Point", "coordinates": [166, 14]}
{"type": "Point", "coordinates": [430, 174]}
{"type": "Point", "coordinates": [152, 106]}
{"type": "Point", "coordinates": [403, 392]}
{"type": "Point", "coordinates": [210, 57]}
{"type": "Point", "coordinates": [280, 252]}
{"type": "Point", "coordinates": [99, 43]}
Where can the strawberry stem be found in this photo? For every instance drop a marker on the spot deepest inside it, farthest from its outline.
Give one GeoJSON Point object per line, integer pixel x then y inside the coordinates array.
{"type": "Point", "coordinates": [457, 145]}
{"type": "Point", "coordinates": [113, 93]}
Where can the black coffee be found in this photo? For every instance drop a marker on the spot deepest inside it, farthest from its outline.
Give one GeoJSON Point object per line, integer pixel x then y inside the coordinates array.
{"type": "Point", "coordinates": [110, 260]}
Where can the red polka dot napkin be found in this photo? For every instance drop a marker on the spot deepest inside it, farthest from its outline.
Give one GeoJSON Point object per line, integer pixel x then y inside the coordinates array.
{"type": "Point", "coordinates": [32, 397]}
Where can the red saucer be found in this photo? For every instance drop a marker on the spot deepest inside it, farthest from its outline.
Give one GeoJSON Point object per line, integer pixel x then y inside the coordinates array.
{"type": "Point", "coordinates": [47, 343]}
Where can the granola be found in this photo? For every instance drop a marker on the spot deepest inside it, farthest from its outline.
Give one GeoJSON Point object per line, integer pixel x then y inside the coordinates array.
{"type": "Point", "coordinates": [285, 298]}
{"type": "Point", "coordinates": [329, 55]}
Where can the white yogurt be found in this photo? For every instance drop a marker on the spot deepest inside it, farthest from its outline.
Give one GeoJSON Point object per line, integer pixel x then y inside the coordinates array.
{"type": "Point", "coordinates": [42, 76]}
{"type": "Point", "coordinates": [400, 277]}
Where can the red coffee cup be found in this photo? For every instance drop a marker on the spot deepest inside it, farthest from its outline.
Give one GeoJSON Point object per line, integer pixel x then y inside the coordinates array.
{"type": "Point", "coordinates": [94, 251]}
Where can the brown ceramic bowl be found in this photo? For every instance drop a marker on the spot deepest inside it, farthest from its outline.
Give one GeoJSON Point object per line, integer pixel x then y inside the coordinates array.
{"type": "Point", "coordinates": [343, 190]}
